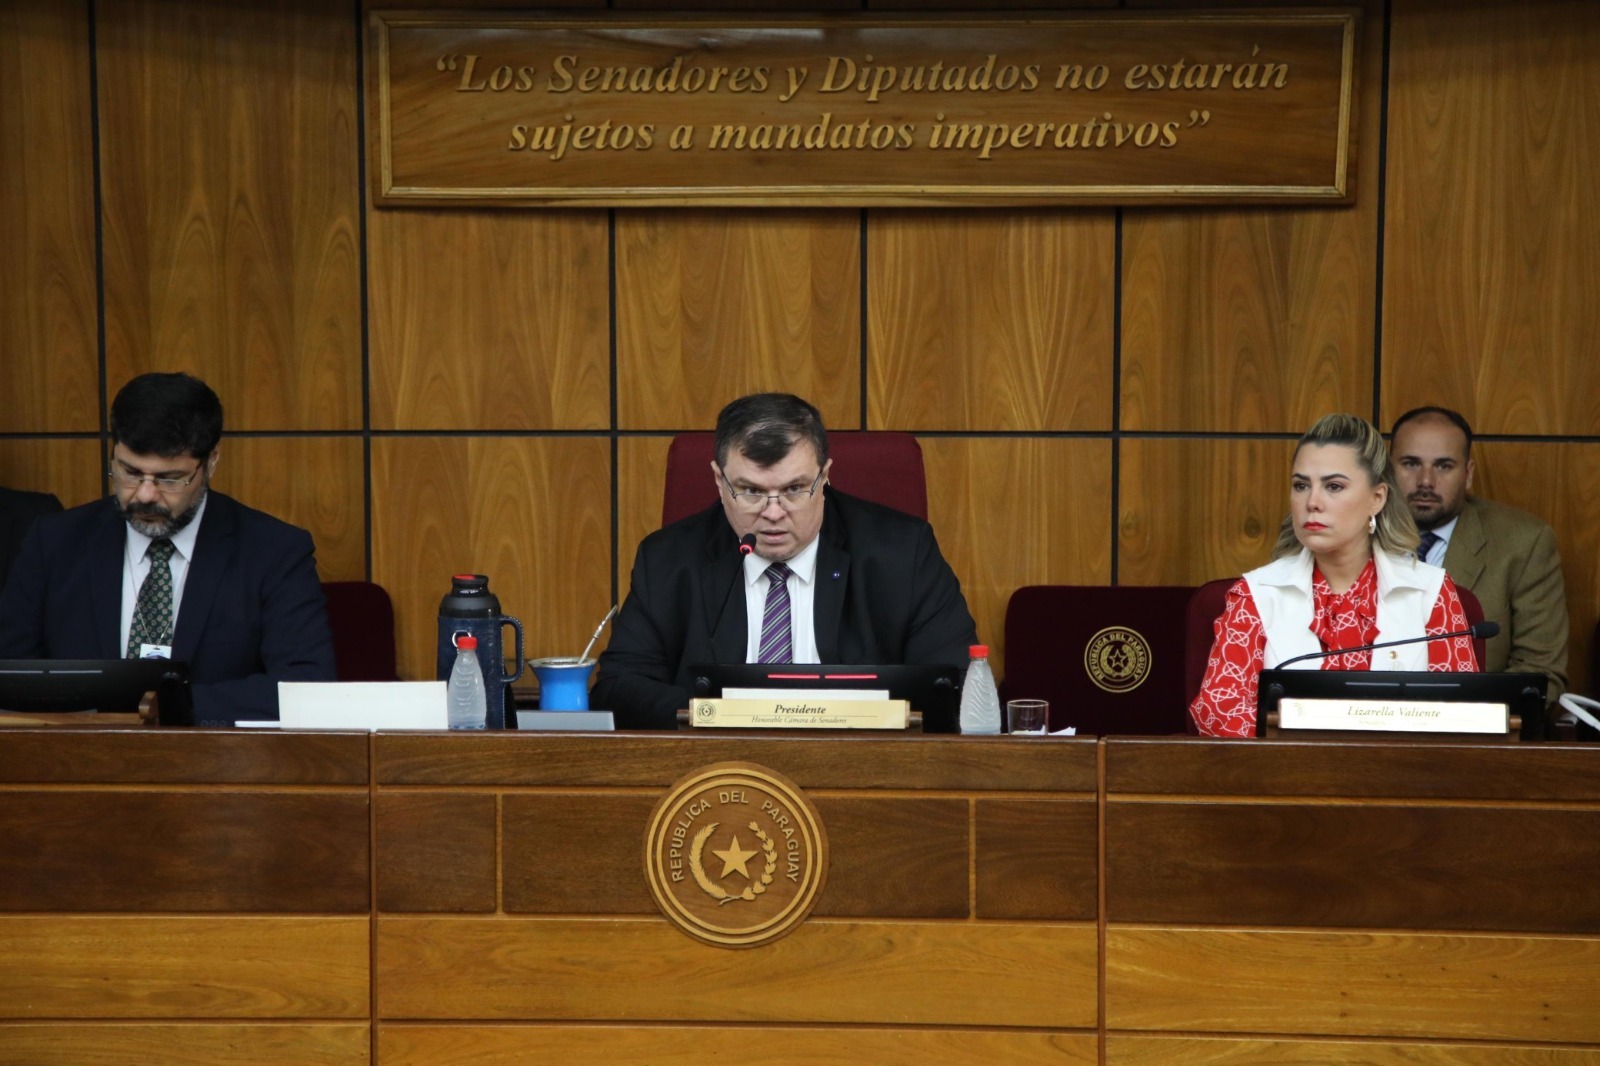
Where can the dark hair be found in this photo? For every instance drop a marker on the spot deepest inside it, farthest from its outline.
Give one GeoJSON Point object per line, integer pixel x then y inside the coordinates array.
{"type": "Point", "coordinates": [1438, 412]}
{"type": "Point", "coordinates": [167, 415]}
{"type": "Point", "coordinates": [766, 426]}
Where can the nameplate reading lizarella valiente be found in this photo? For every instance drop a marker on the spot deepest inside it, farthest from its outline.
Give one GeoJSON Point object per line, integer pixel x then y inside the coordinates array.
{"type": "Point", "coordinates": [1395, 716]}
{"type": "Point", "coordinates": [800, 713]}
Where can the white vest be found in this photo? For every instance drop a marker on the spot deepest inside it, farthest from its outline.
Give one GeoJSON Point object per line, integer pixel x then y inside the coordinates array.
{"type": "Point", "coordinates": [1407, 592]}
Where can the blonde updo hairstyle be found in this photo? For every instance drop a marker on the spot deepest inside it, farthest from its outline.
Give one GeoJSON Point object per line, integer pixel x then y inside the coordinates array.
{"type": "Point", "coordinates": [1397, 530]}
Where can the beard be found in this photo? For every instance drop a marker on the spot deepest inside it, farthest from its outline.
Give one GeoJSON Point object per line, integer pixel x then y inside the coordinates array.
{"type": "Point", "coordinates": [1438, 515]}
{"type": "Point", "coordinates": [156, 520]}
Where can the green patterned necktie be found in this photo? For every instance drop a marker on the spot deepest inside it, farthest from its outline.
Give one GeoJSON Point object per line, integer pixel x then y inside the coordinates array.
{"type": "Point", "coordinates": [152, 611]}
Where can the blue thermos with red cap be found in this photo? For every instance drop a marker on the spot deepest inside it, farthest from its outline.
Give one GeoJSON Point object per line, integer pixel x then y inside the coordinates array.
{"type": "Point", "coordinates": [470, 608]}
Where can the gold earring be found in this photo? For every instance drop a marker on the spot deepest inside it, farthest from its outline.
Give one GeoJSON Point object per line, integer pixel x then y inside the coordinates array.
{"type": "Point", "coordinates": [1372, 524]}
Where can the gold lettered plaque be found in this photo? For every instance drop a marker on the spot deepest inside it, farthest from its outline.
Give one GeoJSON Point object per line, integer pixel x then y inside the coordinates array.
{"type": "Point", "coordinates": [735, 855]}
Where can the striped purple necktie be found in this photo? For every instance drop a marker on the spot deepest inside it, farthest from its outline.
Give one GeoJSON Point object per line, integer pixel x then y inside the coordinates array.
{"type": "Point", "coordinates": [776, 646]}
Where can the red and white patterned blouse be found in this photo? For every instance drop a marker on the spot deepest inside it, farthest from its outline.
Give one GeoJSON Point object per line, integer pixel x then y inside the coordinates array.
{"type": "Point", "coordinates": [1226, 706]}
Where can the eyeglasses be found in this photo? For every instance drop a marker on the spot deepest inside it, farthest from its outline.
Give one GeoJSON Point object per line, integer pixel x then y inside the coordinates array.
{"type": "Point", "coordinates": [128, 480]}
{"type": "Point", "coordinates": [791, 499]}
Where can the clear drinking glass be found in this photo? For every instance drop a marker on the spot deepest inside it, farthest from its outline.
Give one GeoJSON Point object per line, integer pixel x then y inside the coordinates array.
{"type": "Point", "coordinates": [1028, 717]}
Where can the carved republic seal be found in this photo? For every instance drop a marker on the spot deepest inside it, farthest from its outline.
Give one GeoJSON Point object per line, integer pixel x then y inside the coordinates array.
{"type": "Point", "coordinates": [735, 855]}
{"type": "Point", "coordinates": [1117, 659]}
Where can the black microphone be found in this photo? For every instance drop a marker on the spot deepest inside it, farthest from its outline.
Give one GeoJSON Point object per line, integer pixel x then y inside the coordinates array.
{"type": "Point", "coordinates": [747, 544]}
{"type": "Point", "coordinates": [1477, 631]}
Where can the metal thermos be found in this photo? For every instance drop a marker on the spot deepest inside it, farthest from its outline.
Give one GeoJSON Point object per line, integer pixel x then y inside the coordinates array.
{"type": "Point", "coordinates": [471, 608]}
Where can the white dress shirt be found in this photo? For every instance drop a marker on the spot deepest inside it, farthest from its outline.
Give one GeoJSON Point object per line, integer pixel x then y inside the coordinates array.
{"type": "Point", "coordinates": [1436, 556]}
{"type": "Point", "coordinates": [802, 585]}
{"type": "Point", "coordinates": [136, 566]}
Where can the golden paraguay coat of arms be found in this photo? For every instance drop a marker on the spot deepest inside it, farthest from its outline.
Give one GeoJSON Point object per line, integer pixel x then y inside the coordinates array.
{"type": "Point", "coordinates": [1117, 659]}
{"type": "Point", "coordinates": [735, 855]}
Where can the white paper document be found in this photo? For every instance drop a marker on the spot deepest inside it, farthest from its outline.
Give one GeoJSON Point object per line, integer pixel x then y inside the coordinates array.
{"type": "Point", "coordinates": [362, 705]}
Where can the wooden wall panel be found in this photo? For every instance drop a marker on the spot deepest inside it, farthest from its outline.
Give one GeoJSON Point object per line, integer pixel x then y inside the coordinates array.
{"type": "Point", "coordinates": [1244, 321]}
{"type": "Point", "coordinates": [217, 967]}
{"type": "Point", "coordinates": [691, 1045]}
{"type": "Point", "coordinates": [228, 152]}
{"type": "Point", "coordinates": [921, 843]}
{"type": "Point", "coordinates": [72, 469]}
{"type": "Point", "coordinates": [1258, 319]}
{"type": "Point", "coordinates": [713, 305]}
{"type": "Point", "coordinates": [657, 760]}
{"type": "Point", "coordinates": [1012, 511]}
{"type": "Point", "coordinates": [489, 320]}
{"type": "Point", "coordinates": [1353, 769]}
{"type": "Point", "coordinates": [1351, 984]}
{"type": "Point", "coordinates": [990, 320]}
{"type": "Point", "coordinates": [1559, 482]}
{"type": "Point", "coordinates": [435, 851]}
{"type": "Point", "coordinates": [1035, 858]}
{"type": "Point", "coordinates": [641, 484]}
{"type": "Point", "coordinates": [49, 332]}
{"type": "Point", "coordinates": [1361, 866]}
{"type": "Point", "coordinates": [312, 482]}
{"type": "Point", "coordinates": [119, 1044]}
{"type": "Point", "coordinates": [1227, 1051]}
{"type": "Point", "coordinates": [532, 513]}
{"type": "Point", "coordinates": [1491, 247]}
{"type": "Point", "coordinates": [1193, 510]}
{"type": "Point", "coordinates": [606, 878]}
{"type": "Point", "coordinates": [104, 851]}
{"type": "Point", "coordinates": [1026, 974]}
{"type": "Point", "coordinates": [982, 5]}
{"type": "Point", "coordinates": [470, 5]}
{"type": "Point", "coordinates": [181, 756]}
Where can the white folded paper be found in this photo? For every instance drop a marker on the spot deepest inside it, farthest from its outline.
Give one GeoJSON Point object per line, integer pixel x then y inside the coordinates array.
{"type": "Point", "coordinates": [362, 705]}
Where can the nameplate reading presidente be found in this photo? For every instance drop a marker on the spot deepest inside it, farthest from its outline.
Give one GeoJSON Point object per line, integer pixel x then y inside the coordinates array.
{"type": "Point", "coordinates": [735, 855]}
{"type": "Point", "coordinates": [1393, 716]}
{"type": "Point", "coordinates": [794, 712]}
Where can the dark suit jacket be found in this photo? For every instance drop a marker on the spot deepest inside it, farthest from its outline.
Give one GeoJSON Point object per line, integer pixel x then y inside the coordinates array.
{"type": "Point", "coordinates": [1508, 558]}
{"type": "Point", "coordinates": [884, 594]}
{"type": "Point", "coordinates": [251, 613]}
{"type": "Point", "coordinates": [18, 511]}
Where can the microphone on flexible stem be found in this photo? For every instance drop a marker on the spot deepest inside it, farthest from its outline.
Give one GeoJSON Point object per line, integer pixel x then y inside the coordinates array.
{"type": "Point", "coordinates": [747, 544]}
{"type": "Point", "coordinates": [1477, 631]}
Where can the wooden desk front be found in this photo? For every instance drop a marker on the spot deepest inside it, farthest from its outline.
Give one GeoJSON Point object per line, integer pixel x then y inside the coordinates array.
{"type": "Point", "coordinates": [226, 897]}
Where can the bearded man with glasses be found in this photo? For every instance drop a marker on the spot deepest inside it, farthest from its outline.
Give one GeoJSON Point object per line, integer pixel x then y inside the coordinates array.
{"type": "Point", "coordinates": [164, 567]}
{"type": "Point", "coordinates": [829, 578]}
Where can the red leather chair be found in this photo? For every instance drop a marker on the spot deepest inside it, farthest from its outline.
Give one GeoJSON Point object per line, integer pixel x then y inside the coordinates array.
{"type": "Point", "coordinates": [881, 466]}
{"type": "Point", "coordinates": [1199, 628]}
{"type": "Point", "coordinates": [1474, 612]}
{"type": "Point", "coordinates": [1109, 658]}
{"type": "Point", "coordinates": [361, 617]}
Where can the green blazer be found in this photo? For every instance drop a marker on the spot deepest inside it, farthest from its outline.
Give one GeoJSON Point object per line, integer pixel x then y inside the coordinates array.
{"type": "Point", "coordinates": [1508, 558]}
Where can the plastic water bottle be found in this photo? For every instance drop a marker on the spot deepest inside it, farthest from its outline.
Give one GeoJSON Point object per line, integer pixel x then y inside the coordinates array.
{"type": "Point", "coordinates": [980, 700]}
{"type": "Point", "coordinates": [469, 704]}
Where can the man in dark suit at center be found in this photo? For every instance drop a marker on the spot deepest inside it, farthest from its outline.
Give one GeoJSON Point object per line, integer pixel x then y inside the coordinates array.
{"type": "Point", "coordinates": [166, 568]}
{"type": "Point", "coordinates": [831, 578]}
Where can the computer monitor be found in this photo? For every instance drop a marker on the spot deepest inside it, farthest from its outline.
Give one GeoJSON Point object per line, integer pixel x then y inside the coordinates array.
{"type": "Point", "coordinates": [1522, 693]}
{"type": "Point", "coordinates": [107, 685]}
{"type": "Point", "coordinates": [933, 690]}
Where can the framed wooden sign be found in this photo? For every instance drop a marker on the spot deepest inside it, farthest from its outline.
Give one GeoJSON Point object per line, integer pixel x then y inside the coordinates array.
{"type": "Point", "coordinates": [1123, 107]}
